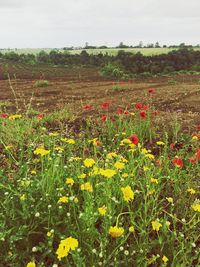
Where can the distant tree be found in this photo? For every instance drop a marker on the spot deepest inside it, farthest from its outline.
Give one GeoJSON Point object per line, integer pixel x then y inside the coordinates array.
{"type": "Point", "coordinates": [157, 45]}
{"type": "Point", "coordinates": [43, 57]}
{"type": "Point", "coordinates": [140, 44]}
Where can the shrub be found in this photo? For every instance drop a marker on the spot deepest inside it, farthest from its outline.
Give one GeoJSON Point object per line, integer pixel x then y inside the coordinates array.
{"type": "Point", "coordinates": [42, 83]}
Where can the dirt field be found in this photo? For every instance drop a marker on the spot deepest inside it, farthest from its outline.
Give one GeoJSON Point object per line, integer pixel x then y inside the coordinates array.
{"type": "Point", "coordinates": [174, 96]}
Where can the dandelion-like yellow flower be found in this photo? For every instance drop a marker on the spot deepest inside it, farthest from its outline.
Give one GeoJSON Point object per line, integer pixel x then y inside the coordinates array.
{"type": "Point", "coordinates": [150, 156]}
{"type": "Point", "coordinates": [115, 231]}
{"type": "Point", "coordinates": [68, 141]}
{"type": "Point", "coordinates": [153, 180]}
{"type": "Point", "coordinates": [196, 207]}
{"type": "Point", "coordinates": [82, 176]}
{"type": "Point", "coordinates": [65, 246]}
{"type": "Point", "coordinates": [131, 229]}
{"type": "Point", "coordinates": [102, 210]}
{"type": "Point", "coordinates": [191, 191]}
{"type": "Point", "coordinates": [88, 162]}
{"type": "Point", "coordinates": [170, 199]}
{"type": "Point", "coordinates": [160, 143]}
{"type": "Point", "coordinates": [165, 259]}
{"type": "Point", "coordinates": [128, 193]}
{"type": "Point", "coordinates": [119, 165]}
{"type": "Point", "coordinates": [124, 175]}
{"type": "Point", "coordinates": [63, 199]}
{"type": "Point", "coordinates": [15, 117]}
{"type": "Point", "coordinates": [87, 187]}
{"type": "Point", "coordinates": [108, 173]}
{"type": "Point", "coordinates": [41, 151]}
{"type": "Point", "coordinates": [111, 155]}
{"type": "Point", "coordinates": [69, 181]}
{"type": "Point", "coordinates": [31, 264]}
{"type": "Point", "coordinates": [156, 225]}
{"type": "Point", "coordinates": [22, 197]}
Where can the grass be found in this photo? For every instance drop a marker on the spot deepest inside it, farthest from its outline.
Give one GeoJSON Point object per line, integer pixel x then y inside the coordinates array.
{"type": "Point", "coordinates": [110, 51]}
{"type": "Point", "coordinates": [108, 191]}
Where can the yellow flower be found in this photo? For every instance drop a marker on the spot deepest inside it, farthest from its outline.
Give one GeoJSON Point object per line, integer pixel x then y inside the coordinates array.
{"type": "Point", "coordinates": [119, 165]}
{"type": "Point", "coordinates": [150, 156]}
{"type": "Point", "coordinates": [111, 155]}
{"type": "Point", "coordinates": [196, 207]}
{"type": "Point", "coordinates": [53, 134]}
{"type": "Point", "coordinates": [69, 181]}
{"type": "Point", "coordinates": [125, 142]}
{"type": "Point", "coordinates": [33, 172]}
{"type": "Point", "coordinates": [195, 137]}
{"type": "Point", "coordinates": [165, 259]}
{"type": "Point", "coordinates": [116, 231]}
{"type": "Point", "coordinates": [59, 149]}
{"type": "Point", "coordinates": [41, 151]}
{"type": "Point", "coordinates": [75, 200]}
{"type": "Point", "coordinates": [108, 173]}
{"type": "Point", "coordinates": [31, 264]}
{"type": "Point", "coordinates": [153, 180]}
{"type": "Point", "coordinates": [160, 143]}
{"type": "Point", "coordinates": [87, 187]}
{"type": "Point", "coordinates": [82, 176]}
{"type": "Point", "coordinates": [23, 197]}
{"type": "Point", "coordinates": [144, 151]}
{"type": "Point", "coordinates": [125, 175]}
{"type": "Point", "coordinates": [93, 141]}
{"type": "Point", "coordinates": [49, 234]}
{"type": "Point", "coordinates": [170, 199]}
{"type": "Point", "coordinates": [68, 141]}
{"type": "Point", "coordinates": [63, 200]}
{"type": "Point", "coordinates": [88, 162]}
{"type": "Point", "coordinates": [131, 229]}
{"type": "Point", "coordinates": [127, 193]}
{"type": "Point", "coordinates": [156, 225]}
{"type": "Point", "coordinates": [15, 117]}
{"type": "Point", "coordinates": [102, 210]}
{"type": "Point", "coordinates": [65, 246]}
{"type": "Point", "coordinates": [191, 191]}
{"type": "Point", "coordinates": [151, 192]}
{"type": "Point", "coordinates": [146, 168]}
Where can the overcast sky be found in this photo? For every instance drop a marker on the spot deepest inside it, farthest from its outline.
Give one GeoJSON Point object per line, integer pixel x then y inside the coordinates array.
{"type": "Point", "coordinates": [59, 23]}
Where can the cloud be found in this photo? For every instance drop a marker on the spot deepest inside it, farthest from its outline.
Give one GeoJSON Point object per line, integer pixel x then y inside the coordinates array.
{"type": "Point", "coordinates": [50, 23]}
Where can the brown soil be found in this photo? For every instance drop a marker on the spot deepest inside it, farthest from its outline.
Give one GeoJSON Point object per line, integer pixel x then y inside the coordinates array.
{"type": "Point", "coordinates": [178, 96]}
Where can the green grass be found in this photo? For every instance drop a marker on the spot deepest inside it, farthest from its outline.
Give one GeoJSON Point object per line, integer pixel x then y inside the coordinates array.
{"type": "Point", "coordinates": [110, 51]}
{"type": "Point", "coordinates": [53, 182]}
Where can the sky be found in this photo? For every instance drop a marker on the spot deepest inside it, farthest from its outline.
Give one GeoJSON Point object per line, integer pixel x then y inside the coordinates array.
{"type": "Point", "coordinates": [64, 23]}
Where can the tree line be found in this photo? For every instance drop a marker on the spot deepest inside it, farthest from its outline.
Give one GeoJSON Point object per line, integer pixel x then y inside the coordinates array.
{"type": "Point", "coordinates": [132, 63]}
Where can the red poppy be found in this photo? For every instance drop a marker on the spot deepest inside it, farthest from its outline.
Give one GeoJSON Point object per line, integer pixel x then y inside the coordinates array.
{"type": "Point", "coordinates": [138, 105]}
{"type": "Point", "coordinates": [126, 112]}
{"type": "Point", "coordinates": [104, 118]}
{"type": "Point", "coordinates": [4, 115]}
{"type": "Point", "coordinates": [151, 90]}
{"type": "Point", "coordinates": [105, 105]}
{"type": "Point", "coordinates": [134, 139]}
{"type": "Point", "coordinates": [172, 145]}
{"type": "Point", "coordinates": [193, 160]}
{"type": "Point", "coordinates": [178, 162]}
{"type": "Point", "coordinates": [196, 135]}
{"type": "Point", "coordinates": [143, 114]}
{"type": "Point", "coordinates": [198, 128]}
{"type": "Point", "coordinates": [158, 163]}
{"type": "Point", "coordinates": [87, 107]}
{"type": "Point", "coordinates": [145, 107]}
{"type": "Point", "coordinates": [40, 116]}
{"type": "Point", "coordinates": [120, 111]}
{"type": "Point", "coordinates": [198, 154]}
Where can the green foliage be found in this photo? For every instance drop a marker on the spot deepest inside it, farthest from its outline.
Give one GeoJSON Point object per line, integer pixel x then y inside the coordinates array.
{"type": "Point", "coordinates": [39, 207]}
{"type": "Point", "coordinates": [42, 83]}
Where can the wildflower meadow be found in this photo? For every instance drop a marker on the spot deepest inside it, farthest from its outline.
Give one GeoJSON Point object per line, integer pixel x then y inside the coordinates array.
{"type": "Point", "coordinates": [111, 189]}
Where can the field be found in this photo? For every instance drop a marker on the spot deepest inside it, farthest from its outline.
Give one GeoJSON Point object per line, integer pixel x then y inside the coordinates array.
{"type": "Point", "coordinates": [98, 172]}
{"type": "Point", "coordinates": [110, 51]}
